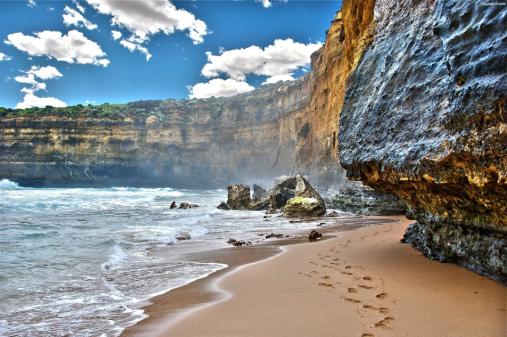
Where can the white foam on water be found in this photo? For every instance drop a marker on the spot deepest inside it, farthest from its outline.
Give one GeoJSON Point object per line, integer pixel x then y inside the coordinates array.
{"type": "Point", "coordinates": [3, 328]}
{"type": "Point", "coordinates": [115, 259]}
{"type": "Point", "coordinates": [93, 268]}
{"type": "Point", "coordinates": [7, 184]}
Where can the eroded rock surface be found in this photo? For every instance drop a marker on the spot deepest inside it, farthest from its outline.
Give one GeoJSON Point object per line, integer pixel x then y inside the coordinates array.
{"type": "Point", "coordinates": [425, 118]}
{"type": "Point", "coordinates": [238, 196]}
{"type": "Point", "coordinates": [367, 201]}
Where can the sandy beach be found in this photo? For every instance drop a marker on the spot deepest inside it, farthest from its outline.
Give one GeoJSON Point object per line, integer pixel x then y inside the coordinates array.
{"type": "Point", "coordinates": [363, 282]}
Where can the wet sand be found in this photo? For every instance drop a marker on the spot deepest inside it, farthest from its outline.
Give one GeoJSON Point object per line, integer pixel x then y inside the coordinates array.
{"type": "Point", "coordinates": [362, 283]}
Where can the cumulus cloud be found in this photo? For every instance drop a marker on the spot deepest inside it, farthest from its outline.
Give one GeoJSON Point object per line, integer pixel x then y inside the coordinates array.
{"type": "Point", "coordinates": [31, 3]}
{"type": "Point", "coordinates": [116, 35]}
{"type": "Point", "coordinates": [30, 101]}
{"type": "Point", "coordinates": [73, 47]}
{"type": "Point", "coordinates": [4, 57]}
{"type": "Point", "coordinates": [132, 46]}
{"type": "Point", "coordinates": [276, 61]}
{"type": "Point", "coordinates": [32, 77]}
{"type": "Point", "coordinates": [144, 18]}
{"type": "Point", "coordinates": [44, 73]}
{"type": "Point", "coordinates": [219, 87]}
{"type": "Point", "coordinates": [72, 17]}
{"type": "Point", "coordinates": [79, 6]}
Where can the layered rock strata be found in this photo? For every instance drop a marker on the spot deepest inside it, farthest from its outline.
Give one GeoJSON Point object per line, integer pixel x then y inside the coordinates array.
{"type": "Point", "coordinates": [425, 118]}
{"type": "Point", "coordinates": [191, 143]}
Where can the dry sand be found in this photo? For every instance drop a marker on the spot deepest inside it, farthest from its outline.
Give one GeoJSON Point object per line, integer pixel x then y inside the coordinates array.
{"type": "Point", "coordinates": [363, 283]}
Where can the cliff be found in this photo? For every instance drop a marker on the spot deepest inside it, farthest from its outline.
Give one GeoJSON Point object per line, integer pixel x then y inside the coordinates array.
{"type": "Point", "coordinates": [188, 143]}
{"type": "Point", "coordinates": [424, 118]}
{"type": "Point", "coordinates": [348, 35]}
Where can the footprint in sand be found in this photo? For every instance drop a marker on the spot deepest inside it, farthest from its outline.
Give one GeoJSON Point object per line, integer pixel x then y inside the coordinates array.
{"type": "Point", "coordinates": [345, 272]}
{"type": "Point", "coordinates": [367, 278]}
{"type": "Point", "coordinates": [367, 335]}
{"type": "Point", "coordinates": [371, 307]}
{"type": "Point", "coordinates": [348, 299]}
{"type": "Point", "coordinates": [314, 272]}
{"type": "Point", "coordinates": [384, 323]}
{"type": "Point", "coordinates": [325, 277]}
{"type": "Point", "coordinates": [381, 295]}
{"type": "Point", "coordinates": [383, 310]}
{"type": "Point", "coordinates": [352, 290]}
{"type": "Point", "coordinates": [313, 262]}
{"type": "Point", "coordinates": [348, 267]}
{"type": "Point", "coordinates": [324, 284]}
{"type": "Point", "coordinates": [364, 286]}
{"type": "Point", "coordinates": [336, 259]}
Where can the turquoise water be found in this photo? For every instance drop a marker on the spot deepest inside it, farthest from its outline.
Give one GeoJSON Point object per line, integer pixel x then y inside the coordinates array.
{"type": "Point", "coordinates": [80, 261]}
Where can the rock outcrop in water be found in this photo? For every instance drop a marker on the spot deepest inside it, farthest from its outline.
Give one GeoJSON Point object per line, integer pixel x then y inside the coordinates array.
{"type": "Point", "coordinates": [294, 195]}
{"type": "Point", "coordinates": [238, 196]}
{"type": "Point", "coordinates": [425, 118]}
{"type": "Point", "coordinates": [307, 202]}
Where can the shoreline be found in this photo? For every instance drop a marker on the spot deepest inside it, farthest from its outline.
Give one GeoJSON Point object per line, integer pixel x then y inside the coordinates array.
{"type": "Point", "coordinates": [453, 296]}
{"type": "Point", "coordinates": [163, 309]}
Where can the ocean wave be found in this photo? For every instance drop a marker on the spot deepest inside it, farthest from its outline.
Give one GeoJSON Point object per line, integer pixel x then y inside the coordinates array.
{"type": "Point", "coordinates": [6, 184]}
{"type": "Point", "coordinates": [116, 258]}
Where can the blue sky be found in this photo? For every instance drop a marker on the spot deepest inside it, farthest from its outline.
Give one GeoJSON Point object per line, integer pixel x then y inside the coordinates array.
{"type": "Point", "coordinates": [177, 58]}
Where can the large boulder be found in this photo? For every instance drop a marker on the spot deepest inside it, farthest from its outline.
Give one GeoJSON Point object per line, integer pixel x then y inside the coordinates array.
{"type": "Point", "coordinates": [304, 207]}
{"type": "Point", "coordinates": [259, 204]}
{"type": "Point", "coordinates": [258, 192]}
{"type": "Point", "coordinates": [276, 198]}
{"type": "Point", "coordinates": [279, 196]}
{"type": "Point", "coordinates": [238, 196]}
{"type": "Point", "coordinates": [307, 201]}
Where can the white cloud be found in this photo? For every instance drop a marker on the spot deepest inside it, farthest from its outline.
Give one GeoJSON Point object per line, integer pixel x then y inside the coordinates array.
{"type": "Point", "coordinates": [116, 35]}
{"type": "Point", "coordinates": [148, 17]}
{"type": "Point", "coordinates": [72, 17]}
{"type": "Point", "coordinates": [132, 46]}
{"type": "Point", "coordinates": [36, 72]}
{"type": "Point", "coordinates": [144, 18]}
{"type": "Point", "coordinates": [31, 3]}
{"type": "Point", "coordinates": [218, 87]}
{"type": "Point", "coordinates": [30, 101]}
{"type": "Point", "coordinates": [79, 6]}
{"type": "Point", "coordinates": [276, 61]}
{"type": "Point", "coordinates": [44, 73]}
{"type": "Point", "coordinates": [72, 48]}
{"type": "Point", "coordinates": [30, 77]}
{"type": "Point", "coordinates": [278, 78]}
{"type": "Point", "coordinates": [4, 57]}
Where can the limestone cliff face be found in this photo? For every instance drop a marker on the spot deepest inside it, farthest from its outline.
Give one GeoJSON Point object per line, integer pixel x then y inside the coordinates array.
{"type": "Point", "coordinates": [188, 143]}
{"type": "Point", "coordinates": [349, 34]}
{"type": "Point", "coordinates": [424, 118]}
